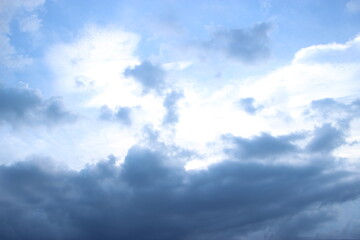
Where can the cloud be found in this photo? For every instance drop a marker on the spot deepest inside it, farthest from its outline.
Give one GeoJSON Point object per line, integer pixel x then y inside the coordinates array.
{"type": "Point", "coordinates": [122, 114]}
{"type": "Point", "coordinates": [9, 56]}
{"type": "Point", "coordinates": [23, 105]}
{"type": "Point", "coordinates": [248, 105]}
{"type": "Point", "coordinates": [250, 45]}
{"type": "Point", "coordinates": [170, 103]}
{"type": "Point", "coordinates": [328, 71]}
{"type": "Point", "coordinates": [330, 53]}
{"type": "Point", "coordinates": [149, 75]}
{"type": "Point", "coordinates": [321, 141]}
{"type": "Point", "coordinates": [326, 138]}
{"type": "Point", "coordinates": [261, 147]}
{"type": "Point", "coordinates": [30, 24]}
{"type": "Point", "coordinates": [93, 63]}
{"type": "Point", "coordinates": [143, 168]}
{"type": "Point", "coordinates": [148, 195]}
{"type": "Point", "coordinates": [335, 111]}
{"type": "Point", "coordinates": [300, 226]}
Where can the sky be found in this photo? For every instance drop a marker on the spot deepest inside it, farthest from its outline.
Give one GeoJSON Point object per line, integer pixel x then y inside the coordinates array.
{"type": "Point", "coordinates": [182, 120]}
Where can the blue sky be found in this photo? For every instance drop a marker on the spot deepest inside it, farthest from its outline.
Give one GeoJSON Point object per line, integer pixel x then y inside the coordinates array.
{"type": "Point", "coordinates": [183, 120]}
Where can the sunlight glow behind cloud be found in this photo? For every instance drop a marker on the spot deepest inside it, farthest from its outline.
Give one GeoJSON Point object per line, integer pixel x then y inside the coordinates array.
{"type": "Point", "coordinates": [179, 120]}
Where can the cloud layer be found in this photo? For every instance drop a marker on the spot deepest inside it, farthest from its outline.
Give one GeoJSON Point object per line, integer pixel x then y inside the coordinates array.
{"type": "Point", "coordinates": [220, 121]}
{"type": "Point", "coordinates": [148, 195]}
{"type": "Point", "coordinates": [22, 105]}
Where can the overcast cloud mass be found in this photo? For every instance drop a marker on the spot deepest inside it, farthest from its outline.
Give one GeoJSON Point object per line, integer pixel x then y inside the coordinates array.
{"type": "Point", "coordinates": [181, 120]}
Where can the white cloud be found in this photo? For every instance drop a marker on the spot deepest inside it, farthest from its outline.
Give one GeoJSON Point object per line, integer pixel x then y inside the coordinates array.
{"type": "Point", "coordinates": [330, 53]}
{"type": "Point", "coordinates": [91, 69]}
{"type": "Point", "coordinates": [94, 63]}
{"type": "Point", "coordinates": [312, 75]}
{"type": "Point", "coordinates": [30, 24]}
{"type": "Point", "coordinates": [285, 94]}
{"type": "Point", "coordinates": [9, 56]}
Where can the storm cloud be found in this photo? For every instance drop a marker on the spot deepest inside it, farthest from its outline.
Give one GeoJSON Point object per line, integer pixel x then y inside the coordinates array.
{"type": "Point", "coordinates": [262, 146]}
{"type": "Point", "coordinates": [149, 197]}
{"type": "Point", "coordinates": [211, 120]}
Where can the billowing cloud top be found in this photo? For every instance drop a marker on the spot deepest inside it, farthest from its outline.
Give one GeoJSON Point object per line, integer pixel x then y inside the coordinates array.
{"type": "Point", "coordinates": [147, 195]}
{"type": "Point", "coordinates": [179, 120]}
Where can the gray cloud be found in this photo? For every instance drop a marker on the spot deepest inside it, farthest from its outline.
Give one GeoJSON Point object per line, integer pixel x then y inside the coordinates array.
{"type": "Point", "coordinates": [261, 147]}
{"type": "Point", "coordinates": [299, 226]}
{"type": "Point", "coordinates": [170, 103]}
{"type": "Point", "coordinates": [323, 140]}
{"type": "Point", "coordinates": [326, 138]}
{"type": "Point", "coordinates": [150, 197]}
{"type": "Point", "coordinates": [23, 105]}
{"type": "Point", "coordinates": [149, 75]}
{"type": "Point", "coordinates": [333, 110]}
{"type": "Point", "coordinates": [246, 45]}
{"type": "Point", "coordinates": [121, 114]}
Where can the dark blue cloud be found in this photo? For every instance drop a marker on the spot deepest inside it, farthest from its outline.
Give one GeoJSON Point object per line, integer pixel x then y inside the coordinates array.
{"type": "Point", "coordinates": [326, 138]}
{"type": "Point", "coordinates": [144, 168]}
{"type": "Point", "coordinates": [261, 147]}
{"type": "Point", "coordinates": [149, 75]}
{"type": "Point", "coordinates": [149, 197]}
{"type": "Point", "coordinates": [170, 103]}
{"type": "Point", "coordinates": [323, 140]}
{"type": "Point", "coordinates": [246, 45]}
{"type": "Point", "coordinates": [23, 105]}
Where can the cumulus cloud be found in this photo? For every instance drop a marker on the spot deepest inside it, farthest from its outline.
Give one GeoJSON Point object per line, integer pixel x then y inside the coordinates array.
{"type": "Point", "coordinates": [148, 195]}
{"type": "Point", "coordinates": [149, 75]}
{"type": "Point", "coordinates": [329, 71]}
{"type": "Point", "coordinates": [245, 45]}
{"type": "Point", "coordinates": [282, 182]}
{"type": "Point", "coordinates": [23, 105]}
